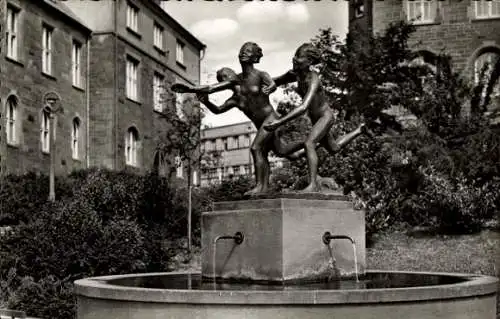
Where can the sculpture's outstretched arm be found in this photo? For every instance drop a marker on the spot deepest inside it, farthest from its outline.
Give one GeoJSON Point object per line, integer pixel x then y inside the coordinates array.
{"type": "Point", "coordinates": [314, 83]}
{"type": "Point", "coordinates": [226, 106]}
{"type": "Point", "coordinates": [212, 88]}
{"type": "Point", "coordinates": [221, 86]}
{"type": "Point", "coordinates": [286, 78]}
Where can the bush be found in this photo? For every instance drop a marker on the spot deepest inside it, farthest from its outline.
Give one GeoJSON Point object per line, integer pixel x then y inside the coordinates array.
{"type": "Point", "coordinates": [455, 206]}
{"type": "Point", "coordinates": [115, 223]}
{"type": "Point", "coordinates": [46, 298]}
{"type": "Point", "coordinates": [111, 194]}
{"type": "Point", "coordinates": [230, 189]}
{"type": "Point", "coordinates": [22, 197]}
{"type": "Point", "coordinates": [72, 241]}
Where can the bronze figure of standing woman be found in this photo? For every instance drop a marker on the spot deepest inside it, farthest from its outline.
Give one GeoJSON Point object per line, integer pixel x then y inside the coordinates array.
{"type": "Point", "coordinates": [251, 95]}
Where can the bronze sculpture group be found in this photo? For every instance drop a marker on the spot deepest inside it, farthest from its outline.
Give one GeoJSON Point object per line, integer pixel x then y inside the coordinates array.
{"type": "Point", "coordinates": [251, 89]}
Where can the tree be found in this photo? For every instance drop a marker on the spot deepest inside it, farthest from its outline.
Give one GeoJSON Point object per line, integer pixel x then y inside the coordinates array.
{"type": "Point", "coordinates": [180, 144]}
{"type": "Point", "coordinates": [415, 175]}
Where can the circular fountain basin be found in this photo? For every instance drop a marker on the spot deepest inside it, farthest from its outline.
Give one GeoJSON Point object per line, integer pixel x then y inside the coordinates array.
{"type": "Point", "coordinates": [380, 294]}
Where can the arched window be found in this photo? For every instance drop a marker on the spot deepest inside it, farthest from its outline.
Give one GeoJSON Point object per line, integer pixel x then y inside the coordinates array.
{"type": "Point", "coordinates": [11, 116]}
{"type": "Point", "coordinates": [45, 132]}
{"type": "Point", "coordinates": [75, 138]}
{"type": "Point", "coordinates": [131, 147]}
{"type": "Point", "coordinates": [485, 63]}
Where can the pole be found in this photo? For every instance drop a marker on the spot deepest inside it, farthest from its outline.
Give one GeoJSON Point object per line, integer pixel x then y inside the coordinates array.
{"type": "Point", "coordinates": [189, 198]}
{"type": "Point", "coordinates": [52, 138]}
{"type": "Point", "coordinates": [51, 107]}
{"type": "Point", "coordinates": [189, 218]}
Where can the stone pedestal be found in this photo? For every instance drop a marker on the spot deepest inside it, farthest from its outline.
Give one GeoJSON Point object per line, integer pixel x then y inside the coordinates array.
{"type": "Point", "coordinates": [283, 239]}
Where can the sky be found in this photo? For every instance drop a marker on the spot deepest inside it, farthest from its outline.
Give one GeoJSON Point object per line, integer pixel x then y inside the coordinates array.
{"type": "Point", "coordinates": [279, 27]}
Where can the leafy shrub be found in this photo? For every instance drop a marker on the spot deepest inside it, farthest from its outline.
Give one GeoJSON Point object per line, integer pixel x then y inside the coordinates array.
{"type": "Point", "coordinates": [111, 194]}
{"type": "Point", "coordinates": [230, 189]}
{"type": "Point", "coordinates": [23, 196]}
{"type": "Point", "coordinates": [72, 241]}
{"type": "Point", "coordinates": [46, 298]}
{"type": "Point", "coordinates": [455, 205]}
{"type": "Point", "coordinates": [114, 223]}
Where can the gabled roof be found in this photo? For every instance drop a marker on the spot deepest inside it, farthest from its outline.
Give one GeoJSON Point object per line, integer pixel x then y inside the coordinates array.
{"type": "Point", "coordinates": [63, 9]}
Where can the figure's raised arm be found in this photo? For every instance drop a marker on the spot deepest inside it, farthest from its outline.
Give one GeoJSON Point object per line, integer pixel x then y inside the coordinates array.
{"type": "Point", "coordinates": [269, 85]}
{"type": "Point", "coordinates": [226, 106]}
{"type": "Point", "coordinates": [286, 78]}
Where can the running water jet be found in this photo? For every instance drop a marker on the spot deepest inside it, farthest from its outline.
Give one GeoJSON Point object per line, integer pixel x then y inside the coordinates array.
{"type": "Point", "coordinates": [327, 237]}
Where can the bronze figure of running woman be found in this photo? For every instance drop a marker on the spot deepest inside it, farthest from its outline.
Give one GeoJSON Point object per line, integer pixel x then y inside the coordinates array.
{"type": "Point", "coordinates": [315, 103]}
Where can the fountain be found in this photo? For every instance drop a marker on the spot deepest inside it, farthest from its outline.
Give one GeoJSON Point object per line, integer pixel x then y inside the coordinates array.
{"type": "Point", "coordinates": [278, 264]}
{"type": "Point", "coordinates": [296, 255]}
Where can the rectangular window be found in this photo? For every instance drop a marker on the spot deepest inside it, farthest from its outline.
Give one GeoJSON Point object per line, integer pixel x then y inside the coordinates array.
{"type": "Point", "coordinates": [180, 52]}
{"type": "Point", "coordinates": [178, 164]}
{"type": "Point", "coordinates": [45, 133]}
{"type": "Point", "coordinates": [195, 178]}
{"type": "Point", "coordinates": [131, 75]}
{"type": "Point", "coordinates": [246, 142]}
{"type": "Point", "coordinates": [75, 62]}
{"type": "Point", "coordinates": [487, 9]}
{"type": "Point", "coordinates": [158, 36]}
{"type": "Point", "coordinates": [158, 91]}
{"type": "Point", "coordinates": [208, 146]}
{"type": "Point", "coordinates": [421, 11]}
{"type": "Point", "coordinates": [12, 32]}
{"type": "Point", "coordinates": [47, 50]}
{"type": "Point", "coordinates": [179, 105]}
{"type": "Point", "coordinates": [132, 17]}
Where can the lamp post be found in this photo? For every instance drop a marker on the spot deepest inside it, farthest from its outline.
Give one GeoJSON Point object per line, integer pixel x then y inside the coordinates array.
{"type": "Point", "coordinates": [52, 107]}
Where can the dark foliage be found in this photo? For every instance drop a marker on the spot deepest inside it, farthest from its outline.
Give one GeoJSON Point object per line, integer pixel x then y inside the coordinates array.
{"type": "Point", "coordinates": [113, 223]}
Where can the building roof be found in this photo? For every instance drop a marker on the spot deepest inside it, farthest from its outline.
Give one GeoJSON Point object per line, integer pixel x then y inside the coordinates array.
{"type": "Point", "coordinates": [179, 27]}
{"type": "Point", "coordinates": [228, 130]}
{"type": "Point", "coordinates": [63, 9]}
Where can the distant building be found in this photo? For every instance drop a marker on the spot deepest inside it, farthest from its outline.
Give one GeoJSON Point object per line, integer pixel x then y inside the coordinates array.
{"type": "Point", "coordinates": [109, 62]}
{"type": "Point", "coordinates": [232, 145]}
{"type": "Point", "coordinates": [468, 30]}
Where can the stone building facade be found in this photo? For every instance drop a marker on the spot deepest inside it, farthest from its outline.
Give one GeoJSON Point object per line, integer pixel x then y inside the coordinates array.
{"type": "Point", "coordinates": [44, 51]}
{"type": "Point", "coordinates": [136, 49]}
{"type": "Point", "coordinates": [468, 30]}
{"type": "Point", "coordinates": [127, 52]}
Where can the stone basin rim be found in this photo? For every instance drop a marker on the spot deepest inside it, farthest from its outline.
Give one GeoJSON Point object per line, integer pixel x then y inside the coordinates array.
{"type": "Point", "coordinates": [475, 285]}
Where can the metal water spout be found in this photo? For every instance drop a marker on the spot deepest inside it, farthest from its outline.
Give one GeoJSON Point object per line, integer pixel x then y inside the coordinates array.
{"type": "Point", "coordinates": [327, 237]}
{"type": "Point", "coordinates": [238, 239]}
